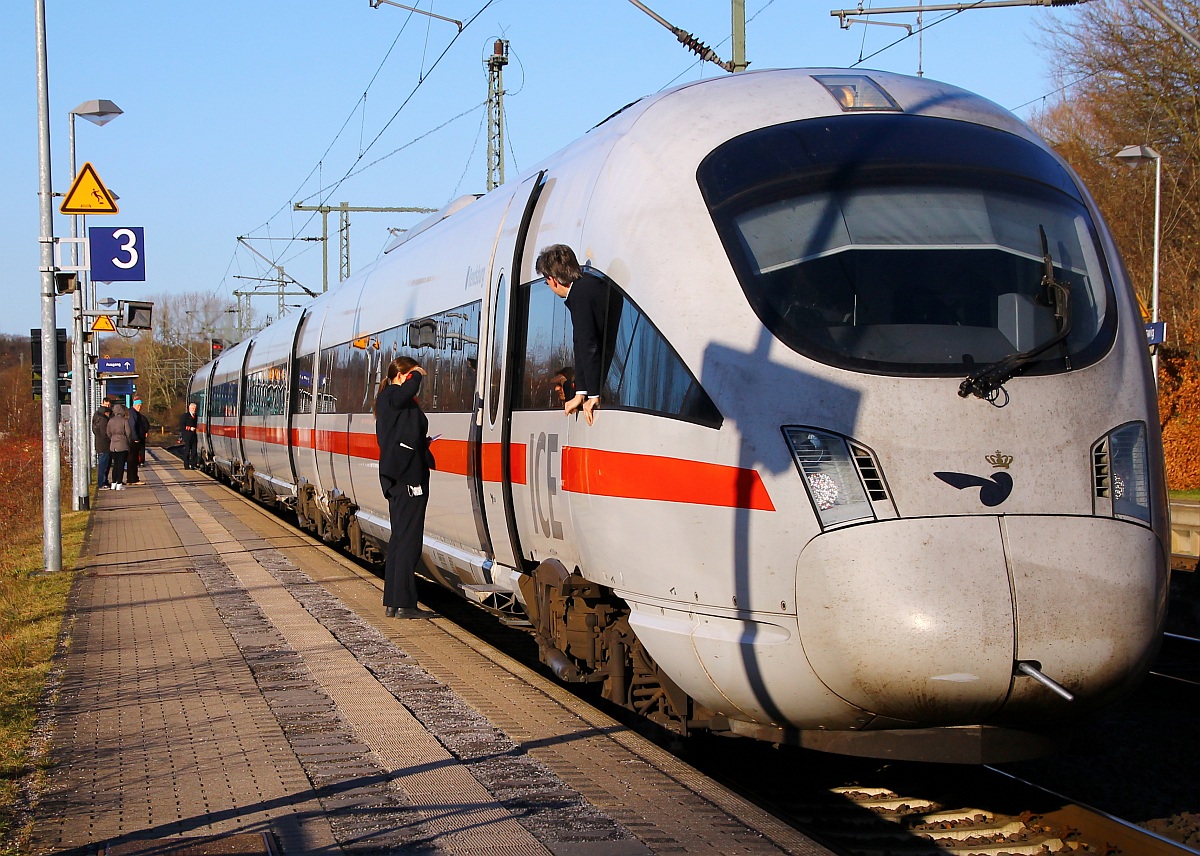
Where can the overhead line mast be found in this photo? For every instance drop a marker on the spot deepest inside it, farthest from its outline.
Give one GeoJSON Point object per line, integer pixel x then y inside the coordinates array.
{"type": "Point", "coordinates": [495, 156]}
{"type": "Point", "coordinates": [344, 210]}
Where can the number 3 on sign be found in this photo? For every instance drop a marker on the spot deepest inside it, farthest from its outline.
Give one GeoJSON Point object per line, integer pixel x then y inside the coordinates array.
{"type": "Point", "coordinates": [128, 248]}
{"type": "Point", "coordinates": [118, 253]}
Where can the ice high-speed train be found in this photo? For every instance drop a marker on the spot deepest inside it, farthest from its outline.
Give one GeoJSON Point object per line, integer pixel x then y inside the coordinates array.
{"type": "Point", "coordinates": [877, 468]}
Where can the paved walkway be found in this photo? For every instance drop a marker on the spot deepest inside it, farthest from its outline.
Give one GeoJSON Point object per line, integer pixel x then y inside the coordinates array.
{"type": "Point", "coordinates": [160, 729]}
{"type": "Point", "coordinates": [216, 701]}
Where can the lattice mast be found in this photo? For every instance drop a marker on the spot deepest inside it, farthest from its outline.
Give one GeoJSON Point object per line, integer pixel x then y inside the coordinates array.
{"type": "Point", "coordinates": [495, 156]}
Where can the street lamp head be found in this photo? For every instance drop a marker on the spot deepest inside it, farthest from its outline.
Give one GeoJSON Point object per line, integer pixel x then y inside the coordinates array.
{"type": "Point", "coordinates": [98, 111]}
{"type": "Point", "coordinates": [1138, 154]}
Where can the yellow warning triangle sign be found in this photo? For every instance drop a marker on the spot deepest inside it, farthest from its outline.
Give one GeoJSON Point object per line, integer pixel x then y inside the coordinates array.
{"type": "Point", "coordinates": [103, 324]}
{"type": "Point", "coordinates": [88, 195]}
{"type": "Point", "coordinates": [1145, 311]}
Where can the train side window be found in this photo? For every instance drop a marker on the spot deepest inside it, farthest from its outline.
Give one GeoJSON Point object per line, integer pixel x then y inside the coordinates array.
{"type": "Point", "coordinates": [347, 367]}
{"type": "Point", "coordinates": [642, 371]}
{"type": "Point", "coordinates": [546, 342]}
{"type": "Point", "coordinates": [253, 384]}
{"type": "Point", "coordinates": [198, 398]}
{"type": "Point", "coordinates": [225, 399]}
{"type": "Point", "coordinates": [306, 365]}
{"type": "Point", "coordinates": [646, 374]}
{"type": "Point", "coordinates": [445, 344]}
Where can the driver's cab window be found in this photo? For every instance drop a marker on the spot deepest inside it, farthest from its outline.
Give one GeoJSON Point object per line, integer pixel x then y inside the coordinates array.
{"type": "Point", "coordinates": [642, 371]}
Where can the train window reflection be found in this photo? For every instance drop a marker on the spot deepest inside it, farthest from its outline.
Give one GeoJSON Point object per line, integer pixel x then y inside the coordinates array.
{"type": "Point", "coordinates": [642, 371]}
{"type": "Point", "coordinates": [224, 401]}
{"type": "Point", "coordinates": [266, 391]}
{"type": "Point", "coordinates": [445, 344]}
{"type": "Point", "coordinates": [306, 366]}
{"type": "Point", "coordinates": [914, 257]}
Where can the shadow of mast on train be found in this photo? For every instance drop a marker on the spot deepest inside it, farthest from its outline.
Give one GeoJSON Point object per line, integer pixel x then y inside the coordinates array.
{"type": "Point", "coordinates": [775, 395]}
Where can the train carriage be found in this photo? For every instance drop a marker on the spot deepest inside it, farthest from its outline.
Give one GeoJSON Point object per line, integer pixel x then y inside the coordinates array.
{"type": "Point", "coordinates": [877, 468]}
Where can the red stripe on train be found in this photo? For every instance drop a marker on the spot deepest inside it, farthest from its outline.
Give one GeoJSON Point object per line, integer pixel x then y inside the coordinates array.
{"type": "Point", "coordinates": [589, 471]}
{"type": "Point", "coordinates": [451, 455]}
{"type": "Point", "coordinates": [263, 434]}
{"type": "Point", "coordinates": [622, 474]}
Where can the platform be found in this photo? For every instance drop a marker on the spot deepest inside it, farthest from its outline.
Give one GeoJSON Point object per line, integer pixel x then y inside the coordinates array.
{"type": "Point", "coordinates": [228, 686]}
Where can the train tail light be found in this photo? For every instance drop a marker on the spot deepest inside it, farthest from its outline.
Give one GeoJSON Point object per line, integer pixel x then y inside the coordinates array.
{"type": "Point", "coordinates": [842, 479]}
{"type": "Point", "coordinates": [1121, 473]}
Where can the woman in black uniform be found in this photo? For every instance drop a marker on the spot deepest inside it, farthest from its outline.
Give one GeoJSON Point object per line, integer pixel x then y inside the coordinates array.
{"type": "Point", "coordinates": [404, 464]}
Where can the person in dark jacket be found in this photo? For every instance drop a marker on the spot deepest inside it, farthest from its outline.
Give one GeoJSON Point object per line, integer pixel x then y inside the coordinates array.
{"type": "Point", "coordinates": [588, 301]}
{"type": "Point", "coordinates": [120, 440]}
{"type": "Point", "coordinates": [103, 450]}
{"type": "Point", "coordinates": [404, 464]}
{"type": "Point", "coordinates": [140, 426]}
{"type": "Point", "coordinates": [187, 436]}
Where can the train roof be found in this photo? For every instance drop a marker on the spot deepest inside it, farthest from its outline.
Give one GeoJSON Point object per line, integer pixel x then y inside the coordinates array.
{"type": "Point", "coordinates": [720, 108]}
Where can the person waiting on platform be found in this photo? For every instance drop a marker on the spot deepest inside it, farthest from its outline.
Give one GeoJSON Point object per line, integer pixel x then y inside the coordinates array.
{"type": "Point", "coordinates": [103, 449]}
{"type": "Point", "coordinates": [401, 429]}
{"type": "Point", "coordinates": [188, 423]}
{"type": "Point", "coordinates": [140, 426]}
{"type": "Point", "coordinates": [120, 440]}
{"type": "Point", "coordinates": [587, 301]}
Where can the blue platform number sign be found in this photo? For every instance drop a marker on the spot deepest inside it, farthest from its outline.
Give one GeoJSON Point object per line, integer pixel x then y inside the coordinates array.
{"type": "Point", "coordinates": [118, 253]}
{"type": "Point", "coordinates": [1156, 332]}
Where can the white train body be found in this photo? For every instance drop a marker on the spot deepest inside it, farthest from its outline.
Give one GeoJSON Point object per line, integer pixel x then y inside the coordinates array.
{"type": "Point", "coordinates": [816, 537]}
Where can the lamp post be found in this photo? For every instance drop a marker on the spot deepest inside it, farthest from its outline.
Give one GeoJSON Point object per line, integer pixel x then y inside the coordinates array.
{"type": "Point", "coordinates": [51, 468]}
{"type": "Point", "coordinates": [1136, 155]}
{"type": "Point", "coordinates": [99, 112]}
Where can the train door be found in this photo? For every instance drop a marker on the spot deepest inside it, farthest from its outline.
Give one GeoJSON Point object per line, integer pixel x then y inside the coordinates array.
{"type": "Point", "coordinates": [292, 407]}
{"type": "Point", "coordinates": [330, 423]}
{"type": "Point", "coordinates": [309, 385]}
{"type": "Point", "coordinates": [204, 446]}
{"type": "Point", "coordinates": [245, 449]}
{"type": "Point", "coordinates": [251, 432]}
{"type": "Point", "coordinates": [543, 371]}
{"type": "Point", "coordinates": [492, 453]}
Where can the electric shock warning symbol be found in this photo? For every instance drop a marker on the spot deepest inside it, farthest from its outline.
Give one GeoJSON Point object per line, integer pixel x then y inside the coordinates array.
{"type": "Point", "coordinates": [88, 195]}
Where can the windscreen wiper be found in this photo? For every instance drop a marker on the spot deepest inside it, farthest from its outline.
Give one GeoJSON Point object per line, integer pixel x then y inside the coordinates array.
{"type": "Point", "coordinates": [1054, 294]}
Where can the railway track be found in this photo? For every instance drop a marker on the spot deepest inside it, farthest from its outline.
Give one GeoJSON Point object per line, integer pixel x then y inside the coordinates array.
{"type": "Point", "coordinates": [1179, 660]}
{"type": "Point", "coordinates": [877, 808]}
{"type": "Point", "coordinates": [870, 807]}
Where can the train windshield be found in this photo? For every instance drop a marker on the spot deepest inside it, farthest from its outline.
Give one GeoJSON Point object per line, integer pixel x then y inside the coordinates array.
{"type": "Point", "coordinates": [909, 245]}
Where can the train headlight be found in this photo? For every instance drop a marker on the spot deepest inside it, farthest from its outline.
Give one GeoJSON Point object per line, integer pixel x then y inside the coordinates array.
{"type": "Point", "coordinates": [1121, 473]}
{"type": "Point", "coordinates": [833, 471]}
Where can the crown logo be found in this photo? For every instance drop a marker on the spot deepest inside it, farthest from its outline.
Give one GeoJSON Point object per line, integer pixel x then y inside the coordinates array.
{"type": "Point", "coordinates": [999, 459]}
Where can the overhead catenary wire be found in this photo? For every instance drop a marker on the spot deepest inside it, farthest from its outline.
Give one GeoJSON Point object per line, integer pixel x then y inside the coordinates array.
{"type": "Point", "coordinates": [318, 167]}
{"type": "Point", "coordinates": [351, 170]}
{"type": "Point", "coordinates": [361, 101]}
{"type": "Point", "coordinates": [399, 149]}
{"type": "Point", "coordinates": [922, 29]}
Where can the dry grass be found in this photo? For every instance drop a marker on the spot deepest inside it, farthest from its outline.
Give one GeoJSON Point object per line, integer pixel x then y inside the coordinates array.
{"type": "Point", "coordinates": [32, 605]}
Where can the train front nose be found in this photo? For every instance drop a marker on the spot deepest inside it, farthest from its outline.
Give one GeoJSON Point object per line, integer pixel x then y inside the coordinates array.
{"type": "Point", "coordinates": [924, 620]}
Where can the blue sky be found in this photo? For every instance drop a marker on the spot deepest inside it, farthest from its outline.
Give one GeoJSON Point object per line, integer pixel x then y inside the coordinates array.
{"type": "Point", "coordinates": [235, 110]}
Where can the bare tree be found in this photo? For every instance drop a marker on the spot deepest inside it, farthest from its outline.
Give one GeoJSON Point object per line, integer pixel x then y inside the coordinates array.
{"type": "Point", "coordinates": [184, 327]}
